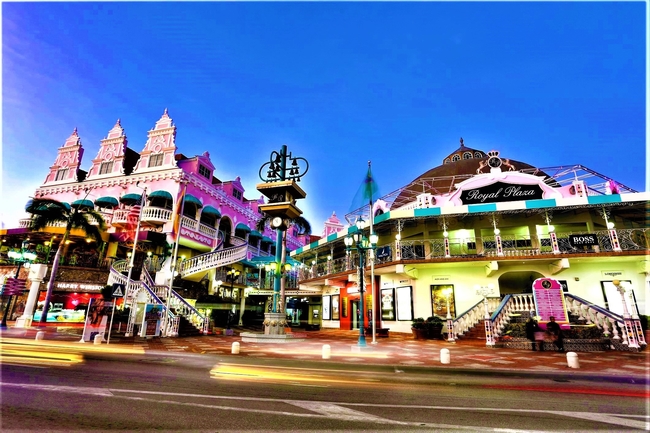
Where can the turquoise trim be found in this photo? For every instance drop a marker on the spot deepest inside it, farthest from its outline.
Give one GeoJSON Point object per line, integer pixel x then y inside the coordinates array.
{"type": "Point", "coordinates": [313, 245]}
{"type": "Point", "coordinates": [603, 199]}
{"type": "Point", "coordinates": [432, 211]}
{"type": "Point", "coordinates": [538, 204]}
{"type": "Point", "coordinates": [331, 237]}
{"type": "Point", "coordinates": [382, 217]}
{"type": "Point", "coordinates": [478, 208]}
{"type": "Point", "coordinates": [297, 251]}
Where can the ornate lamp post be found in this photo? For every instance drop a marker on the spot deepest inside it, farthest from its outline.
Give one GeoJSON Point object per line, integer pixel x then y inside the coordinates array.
{"type": "Point", "coordinates": [280, 176]}
{"type": "Point", "coordinates": [358, 241]}
{"type": "Point", "coordinates": [232, 276]}
{"type": "Point", "coordinates": [485, 291]}
{"type": "Point", "coordinates": [19, 257]}
{"type": "Point", "coordinates": [450, 320]}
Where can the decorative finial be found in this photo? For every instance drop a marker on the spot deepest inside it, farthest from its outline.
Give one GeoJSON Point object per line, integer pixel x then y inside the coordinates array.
{"type": "Point", "coordinates": [118, 123]}
{"type": "Point", "coordinates": [75, 131]}
{"type": "Point", "coordinates": [461, 142]}
{"type": "Point", "coordinates": [165, 113]}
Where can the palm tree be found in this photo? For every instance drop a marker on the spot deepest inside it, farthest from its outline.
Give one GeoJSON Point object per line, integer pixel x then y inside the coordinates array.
{"type": "Point", "coordinates": [47, 212]}
{"type": "Point", "coordinates": [304, 229]}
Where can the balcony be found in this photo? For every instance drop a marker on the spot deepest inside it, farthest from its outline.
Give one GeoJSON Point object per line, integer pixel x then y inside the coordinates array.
{"type": "Point", "coordinates": [156, 215]}
{"type": "Point", "coordinates": [476, 249]}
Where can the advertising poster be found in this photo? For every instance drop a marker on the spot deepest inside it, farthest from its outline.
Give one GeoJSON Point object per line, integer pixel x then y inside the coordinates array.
{"type": "Point", "coordinates": [326, 308]}
{"type": "Point", "coordinates": [96, 318]}
{"type": "Point", "coordinates": [151, 321]}
{"type": "Point", "coordinates": [335, 307]}
{"type": "Point", "coordinates": [404, 303]}
{"type": "Point", "coordinates": [387, 304]}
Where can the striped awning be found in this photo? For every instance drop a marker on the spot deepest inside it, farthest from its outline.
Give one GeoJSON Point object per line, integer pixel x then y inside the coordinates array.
{"type": "Point", "coordinates": [107, 202]}
{"type": "Point", "coordinates": [243, 227]}
{"type": "Point", "coordinates": [86, 204]}
{"type": "Point", "coordinates": [209, 210]}
{"type": "Point", "coordinates": [189, 198]}
{"type": "Point", "coordinates": [131, 199]}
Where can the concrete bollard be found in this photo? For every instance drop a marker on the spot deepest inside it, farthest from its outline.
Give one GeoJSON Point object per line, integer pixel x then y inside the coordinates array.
{"type": "Point", "coordinates": [327, 351]}
{"type": "Point", "coordinates": [572, 360]}
{"type": "Point", "coordinates": [40, 335]}
{"type": "Point", "coordinates": [445, 356]}
{"type": "Point", "coordinates": [235, 348]}
{"type": "Point", "coordinates": [98, 339]}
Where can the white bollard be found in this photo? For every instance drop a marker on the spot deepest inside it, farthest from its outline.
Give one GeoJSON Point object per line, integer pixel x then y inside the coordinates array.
{"type": "Point", "coordinates": [235, 348]}
{"type": "Point", "coordinates": [98, 339]}
{"type": "Point", "coordinates": [572, 360]}
{"type": "Point", "coordinates": [445, 357]}
{"type": "Point", "coordinates": [327, 351]}
{"type": "Point", "coordinates": [40, 335]}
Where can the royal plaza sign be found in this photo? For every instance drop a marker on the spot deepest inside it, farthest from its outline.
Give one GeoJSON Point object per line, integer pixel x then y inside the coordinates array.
{"type": "Point", "coordinates": [500, 192]}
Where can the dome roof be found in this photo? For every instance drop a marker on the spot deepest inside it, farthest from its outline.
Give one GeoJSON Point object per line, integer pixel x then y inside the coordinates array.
{"type": "Point", "coordinates": [459, 165]}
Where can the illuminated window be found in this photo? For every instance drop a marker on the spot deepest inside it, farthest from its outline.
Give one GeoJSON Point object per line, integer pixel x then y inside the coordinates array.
{"type": "Point", "coordinates": [62, 174]}
{"type": "Point", "coordinates": [156, 160]}
{"type": "Point", "coordinates": [106, 167]}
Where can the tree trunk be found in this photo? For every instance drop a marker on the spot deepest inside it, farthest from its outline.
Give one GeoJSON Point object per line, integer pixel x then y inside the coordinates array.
{"type": "Point", "coordinates": [50, 284]}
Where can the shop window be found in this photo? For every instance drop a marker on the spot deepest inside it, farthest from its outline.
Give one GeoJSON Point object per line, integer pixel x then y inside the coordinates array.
{"type": "Point", "coordinates": [156, 160]}
{"type": "Point", "coordinates": [106, 167]}
{"type": "Point", "coordinates": [439, 294]}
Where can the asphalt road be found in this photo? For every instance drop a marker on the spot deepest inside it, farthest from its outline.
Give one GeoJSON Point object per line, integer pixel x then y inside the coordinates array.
{"type": "Point", "coordinates": [183, 392]}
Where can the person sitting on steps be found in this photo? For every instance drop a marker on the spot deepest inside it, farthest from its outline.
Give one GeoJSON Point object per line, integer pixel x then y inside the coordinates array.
{"type": "Point", "coordinates": [555, 332]}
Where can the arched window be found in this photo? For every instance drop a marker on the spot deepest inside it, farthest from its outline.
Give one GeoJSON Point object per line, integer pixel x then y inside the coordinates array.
{"type": "Point", "coordinates": [447, 161]}
{"type": "Point", "coordinates": [478, 155]}
{"type": "Point", "coordinates": [455, 158]}
{"type": "Point", "coordinates": [467, 155]}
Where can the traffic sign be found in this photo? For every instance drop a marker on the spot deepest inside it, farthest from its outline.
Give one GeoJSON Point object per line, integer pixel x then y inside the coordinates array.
{"type": "Point", "coordinates": [118, 290]}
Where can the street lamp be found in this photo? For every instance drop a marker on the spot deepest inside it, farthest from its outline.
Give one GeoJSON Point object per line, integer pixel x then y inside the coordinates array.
{"type": "Point", "coordinates": [19, 257]}
{"type": "Point", "coordinates": [358, 241]}
{"type": "Point", "coordinates": [485, 291]}
{"type": "Point", "coordinates": [232, 276]}
{"type": "Point", "coordinates": [450, 321]}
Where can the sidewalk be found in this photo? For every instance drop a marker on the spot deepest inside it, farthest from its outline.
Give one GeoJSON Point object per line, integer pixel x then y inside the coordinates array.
{"type": "Point", "coordinates": [399, 350]}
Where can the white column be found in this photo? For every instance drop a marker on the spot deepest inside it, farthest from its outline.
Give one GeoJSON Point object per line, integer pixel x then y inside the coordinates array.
{"type": "Point", "coordinates": [36, 275]}
{"type": "Point", "coordinates": [242, 305]}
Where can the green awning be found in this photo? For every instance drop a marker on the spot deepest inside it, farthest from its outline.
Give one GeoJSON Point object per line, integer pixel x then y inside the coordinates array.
{"type": "Point", "coordinates": [255, 234]}
{"type": "Point", "coordinates": [161, 194]}
{"type": "Point", "coordinates": [83, 204]}
{"type": "Point", "coordinates": [189, 198]}
{"type": "Point", "coordinates": [271, 259]}
{"type": "Point", "coordinates": [107, 202]}
{"type": "Point", "coordinates": [209, 210]}
{"type": "Point", "coordinates": [267, 239]}
{"type": "Point", "coordinates": [64, 204]}
{"type": "Point", "coordinates": [243, 227]}
{"type": "Point", "coordinates": [131, 199]}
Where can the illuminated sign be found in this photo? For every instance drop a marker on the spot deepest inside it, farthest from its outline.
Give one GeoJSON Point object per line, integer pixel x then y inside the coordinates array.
{"type": "Point", "coordinates": [196, 237]}
{"type": "Point", "coordinates": [500, 192]}
{"type": "Point", "coordinates": [79, 287]}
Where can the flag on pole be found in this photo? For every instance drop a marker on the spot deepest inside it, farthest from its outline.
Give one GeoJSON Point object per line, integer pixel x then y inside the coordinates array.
{"type": "Point", "coordinates": [368, 192]}
{"type": "Point", "coordinates": [178, 214]}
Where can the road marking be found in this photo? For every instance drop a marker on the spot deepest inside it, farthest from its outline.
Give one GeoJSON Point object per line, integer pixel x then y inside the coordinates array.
{"type": "Point", "coordinates": [331, 410]}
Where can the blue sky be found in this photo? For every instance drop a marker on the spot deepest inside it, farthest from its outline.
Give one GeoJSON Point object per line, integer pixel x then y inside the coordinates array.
{"type": "Point", "coordinates": [340, 83]}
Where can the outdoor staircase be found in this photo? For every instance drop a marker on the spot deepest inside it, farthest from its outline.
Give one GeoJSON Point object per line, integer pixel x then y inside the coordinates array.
{"type": "Point", "coordinates": [195, 268]}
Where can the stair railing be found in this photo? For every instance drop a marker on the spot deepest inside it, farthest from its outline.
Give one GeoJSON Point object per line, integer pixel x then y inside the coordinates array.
{"type": "Point", "coordinates": [214, 259]}
{"type": "Point", "coordinates": [473, 316]}
{"type": "Point", "coordinates": [511, 304]}
{"type": "Point", "coordinates": [181, 307]}
{"type": "Point", "coordinates": [599, 316]}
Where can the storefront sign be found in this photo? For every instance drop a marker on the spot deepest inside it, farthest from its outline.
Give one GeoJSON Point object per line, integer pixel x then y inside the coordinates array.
{"type": "Point", "coordinates": [196, 237]}
{"type": "Point", "coordinates": [500, 192]}
{"type": "Point", "coordinates": [583, 240]}
{"type": "Point", "coordinates": [79, 287]}
{"type": "Point", "coordinates": [612, 274]}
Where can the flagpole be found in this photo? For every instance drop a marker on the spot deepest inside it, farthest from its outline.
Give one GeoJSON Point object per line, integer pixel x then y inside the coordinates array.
{"type": "Point", "coordinates": [372, 273]}
{"type": "Point", "coordinates": [131, 262]}
{"type": "Point", "coordinates": [172, 266]}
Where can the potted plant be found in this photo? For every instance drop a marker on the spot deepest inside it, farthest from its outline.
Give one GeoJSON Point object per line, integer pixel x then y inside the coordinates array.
{"type": "Point", "coordinates": [434, 325]}
{"type": "Point", "coordinates": [419, 328]}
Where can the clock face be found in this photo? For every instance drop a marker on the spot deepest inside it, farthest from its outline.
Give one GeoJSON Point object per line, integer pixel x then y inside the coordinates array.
{"type": "Point", "coordinates": [546, 284]}
{"type": "Point", "coordinates": [276, 222]}
{"type": "Point", "coordinates": [494, 162]}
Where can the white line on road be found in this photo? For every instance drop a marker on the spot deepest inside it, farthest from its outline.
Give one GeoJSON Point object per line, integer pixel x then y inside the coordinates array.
{"type": "Point", "coordinates": [328, 409]}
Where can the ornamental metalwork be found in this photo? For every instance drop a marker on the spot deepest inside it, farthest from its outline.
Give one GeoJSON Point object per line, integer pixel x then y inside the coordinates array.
{"type": "Point", "coordinates": [283, 166]}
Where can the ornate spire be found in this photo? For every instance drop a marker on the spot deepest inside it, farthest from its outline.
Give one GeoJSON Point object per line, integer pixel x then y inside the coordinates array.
{"type": "Point", "coordinates": [165, 113]}
{"type": "Point", "coordinates": [461, 142]}
{"type": "Point", "coordinates": [118, 123]}
{"type": "Point", "coordinates": [75, 131]}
